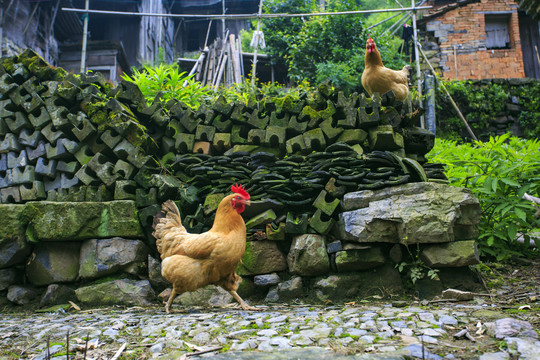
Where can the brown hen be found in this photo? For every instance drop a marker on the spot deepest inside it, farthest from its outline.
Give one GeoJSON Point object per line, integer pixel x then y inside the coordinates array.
{"type": "Point", "coordinates": [192, 261]}
{"type": "Point", "coordinates": [378, 78]}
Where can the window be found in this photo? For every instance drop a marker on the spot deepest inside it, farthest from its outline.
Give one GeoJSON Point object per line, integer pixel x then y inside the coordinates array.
{"type": "Point", "coordinates": [497, 31]}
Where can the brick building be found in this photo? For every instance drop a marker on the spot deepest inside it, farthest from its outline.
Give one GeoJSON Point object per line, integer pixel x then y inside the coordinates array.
{"type": "Point", "coordinates": [481, 39]}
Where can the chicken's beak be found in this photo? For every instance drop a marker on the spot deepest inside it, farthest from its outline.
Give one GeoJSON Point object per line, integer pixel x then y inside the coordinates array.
{"type": "Point", "coordinates": [247, 202]}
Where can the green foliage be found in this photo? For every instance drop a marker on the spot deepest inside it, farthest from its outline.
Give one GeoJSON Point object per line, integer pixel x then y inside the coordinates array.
{"type": "Point", "coordinates": [168, 82]}
{"type": "Point", "coordinates": [322, 48]}
{"type": "Point", "coordinates": [478, 103]}
{"type": "Point", "coordinates": [498, 172]}
{"type": "Point", "coordinates": [529, 100]}
{"type": "Point", "coordinates": [245, 40]}
{"type": "Point", "coordinates": [415, 268]}
{"type": "Point", "coordinates": [263, 93]}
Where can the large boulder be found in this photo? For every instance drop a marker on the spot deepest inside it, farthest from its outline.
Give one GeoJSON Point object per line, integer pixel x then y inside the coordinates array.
{"type": "Point", "coordinates": [261, 257]}
{"type": "Point", "coordinates": [101, 257]}
{"type": "Point", "coordinates": [7, 278]}
{"type": "Point", "coordinates": [209, 296]}
{"type": "Point", "coordinates": [286, 291]}
{"type": "Point", "coordinates": [357, 285]}
{"type": "Point", "coordinates": [154, 274]}
{"type": "Point", "coordinates": [308, 256]}
{"type": "Point", "coordinates": [53, 263]}
{"type": "Point", "coordinates": [454, 254]}
{"type": "Point", "coordinates": [361, 259]}
{"type": "Point", "coordinates": [410, 214]}
{"type": "Point", "coordinates": [22, 295]}
{"type": "Point", "coordinates": [117, 292]}
{"type": "Point", "coordinates": [291, 289]}
{"type": "Point", "coordinates": [13, 245]}
{"type": "Point", "coordinates": [57, 294]}
{"type": "Point", "coordinates": [74, 221]}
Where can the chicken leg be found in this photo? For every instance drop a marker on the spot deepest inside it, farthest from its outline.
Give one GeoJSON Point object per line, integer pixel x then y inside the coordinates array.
{"type": "Point", "coordinates": [242, 303]}
{"type": "Point", "coordinates": [171, 298]}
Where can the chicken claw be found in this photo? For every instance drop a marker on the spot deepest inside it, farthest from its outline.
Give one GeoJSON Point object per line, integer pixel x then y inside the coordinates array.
{"type": "Point", "coordinates": [242, 303]}
{"type": "Point", "coordinates": [249, 308]}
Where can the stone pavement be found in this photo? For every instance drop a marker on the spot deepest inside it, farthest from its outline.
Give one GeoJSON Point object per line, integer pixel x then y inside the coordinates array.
{"type": "Point", "coordinates": [359, 331]}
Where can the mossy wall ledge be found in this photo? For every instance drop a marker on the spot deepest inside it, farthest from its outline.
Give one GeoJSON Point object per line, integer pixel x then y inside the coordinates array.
{"type": "Point", "coordinates": [75, 221]}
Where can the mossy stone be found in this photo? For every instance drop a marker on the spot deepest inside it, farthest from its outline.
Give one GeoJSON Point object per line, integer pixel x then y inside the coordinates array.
{"type": "Point", "coordinates": [13, 244]}
{"type": "Point", "coordinates": [69, 221]}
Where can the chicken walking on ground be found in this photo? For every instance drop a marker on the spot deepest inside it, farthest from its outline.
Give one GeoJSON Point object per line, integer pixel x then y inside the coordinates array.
{"type": "Point", "coordinates": [192, 261]}
{"type": "Point", "coordinates": [378, 78]}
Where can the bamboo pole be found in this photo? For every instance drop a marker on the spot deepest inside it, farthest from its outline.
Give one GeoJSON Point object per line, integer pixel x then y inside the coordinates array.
{"type": "Point", "coordinates": [207, 33]}
{"type": "Point", "coordinates": [417, 56]}
{"type": "Point", "coordinates": [254, 73]}
{"type": "Point", "coordinates": [241, 61]}
{"type": "Point", "coordinates": [242, 16]}
{"type": "Point", "coordinates": [194, 69]}
{"type": "Point", "coordinates": [200, 65]}
{"type": "Point", "coordinates": [235, 60]}
{"type": "Point", "coordinates": [85, 37]}
{"type": "Point", "coordinates": [220, 71]}
{"type": "Point", "coordinates": [454, 105]}
{"type": "Point", "coordinates": [229, 79]}
{"type": "Point", "coordinates": [221, 56]}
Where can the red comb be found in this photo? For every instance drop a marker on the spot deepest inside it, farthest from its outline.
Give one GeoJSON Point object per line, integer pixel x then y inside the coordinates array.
{"type": "Point", "coordinates": [239, 189]}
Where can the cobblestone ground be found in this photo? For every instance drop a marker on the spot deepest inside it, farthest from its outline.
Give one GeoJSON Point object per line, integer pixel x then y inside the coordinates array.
{"type": "Point", "coordinates": [359, 331]}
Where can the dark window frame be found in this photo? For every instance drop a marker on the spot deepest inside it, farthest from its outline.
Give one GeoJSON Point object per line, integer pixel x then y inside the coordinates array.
{"type": "Point", "coordinates": [497, 27]}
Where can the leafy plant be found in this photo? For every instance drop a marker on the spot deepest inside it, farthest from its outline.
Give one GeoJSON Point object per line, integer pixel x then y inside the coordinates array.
{"type": "Point", "coordinates": [529, 100]}
{"type": "Point", "coordinates": [498, 172]}
{"type": "Point", "coordinates": [417, 269]}
{"type": "Point", "coordinates": [168, 82]}
{"type": "Point", "coordinates": [479, 104]}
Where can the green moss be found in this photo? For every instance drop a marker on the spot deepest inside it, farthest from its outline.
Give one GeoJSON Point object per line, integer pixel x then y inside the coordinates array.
{"type": "Point", "coordinates": [137, 135]}
{"type": "Point", "coordinates": [249, 260]}
{"type": "Point", "coordinates": [309, 111]}
{"type": "Point", "coordinates": [286, 104]}
{"type": "Point", "coordinates": [212, 201]}
{"type": "Point", "coordinates": [8, 65]}
{"type": "Point", "coordinates": [92, 107]}
{"type": "Point", "coordinates": [100, 118]}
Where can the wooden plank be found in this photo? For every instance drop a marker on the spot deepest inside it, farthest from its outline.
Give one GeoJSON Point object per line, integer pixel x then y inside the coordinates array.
{"type": "Point", "coordinates": [220, 72]}
{"type": "Point", "coordinates": [200, 67]}
{"type": "Point", "coordinates": [229, 69]}
{"type": "Point", "coordinates": [220, 60]}
{"type": "Point", "coordinates": [235, 60]}
{"type": "Point", "coordinates": [241, 58]}
{"type": "Point", "coordinates": [211, 67]}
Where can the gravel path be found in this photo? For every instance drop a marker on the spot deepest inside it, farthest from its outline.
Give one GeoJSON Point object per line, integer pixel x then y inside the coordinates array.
{"type": "Point", "coordinates": [358, 331]}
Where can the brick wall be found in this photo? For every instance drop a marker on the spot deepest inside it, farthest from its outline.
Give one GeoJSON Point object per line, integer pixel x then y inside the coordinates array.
{"type": "Point", "coordinates": [464, 28]}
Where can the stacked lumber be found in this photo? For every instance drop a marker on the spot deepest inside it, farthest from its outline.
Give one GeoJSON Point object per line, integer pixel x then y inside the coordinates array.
{"type": "Point", "coordinates": [220, 63]}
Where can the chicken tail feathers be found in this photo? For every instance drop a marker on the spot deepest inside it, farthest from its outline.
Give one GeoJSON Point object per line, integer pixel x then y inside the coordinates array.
{"type": "Point", "coordinates": [164, 221]}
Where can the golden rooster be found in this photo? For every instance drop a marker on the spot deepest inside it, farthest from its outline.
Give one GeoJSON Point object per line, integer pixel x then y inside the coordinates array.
{"type": "Point", "coordinates": [378, 78]}
{"type": "Point", "coordinates": [192, 261]}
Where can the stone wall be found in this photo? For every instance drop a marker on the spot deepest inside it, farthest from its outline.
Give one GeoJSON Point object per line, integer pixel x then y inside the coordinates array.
{"type": "Point", "coordinates": [95, 253]}
{"type": "Point", "coordinates": [84, 168]}
{"type": "Point", "coordinates": [464, 27]}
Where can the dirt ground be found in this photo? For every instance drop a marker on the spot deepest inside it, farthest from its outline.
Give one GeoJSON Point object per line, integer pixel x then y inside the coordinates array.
{"type": "Point", "coordinates": [514, 290]}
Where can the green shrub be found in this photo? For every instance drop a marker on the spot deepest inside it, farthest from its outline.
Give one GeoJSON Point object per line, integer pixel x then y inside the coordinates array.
{"type": "Point", "coordinates": [169, 82]}
{"type": "Point", "coordinates": [478, 103]}
{"type": "Point", "coordinates": [529, 118]}
{"type": "Point", "coordinates": [498, 172]}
